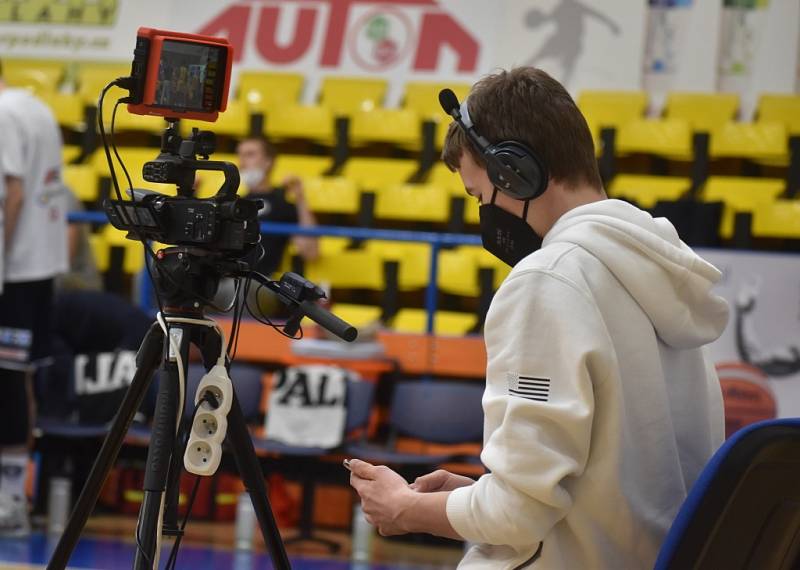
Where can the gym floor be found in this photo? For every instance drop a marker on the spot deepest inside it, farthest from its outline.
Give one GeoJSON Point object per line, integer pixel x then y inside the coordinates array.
{"type": "Point", "coordinates": [107, 545]}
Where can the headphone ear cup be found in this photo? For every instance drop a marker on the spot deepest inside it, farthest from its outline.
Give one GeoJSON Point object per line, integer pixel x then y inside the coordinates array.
{"type": "Point", "coordinates": [528, 176]}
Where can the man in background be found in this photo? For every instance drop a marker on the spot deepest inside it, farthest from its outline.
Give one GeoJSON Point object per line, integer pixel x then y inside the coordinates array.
{"type": "Point", "coordinates": [35, 251]}
{"type": "Point", "coordinates": [285, 203]}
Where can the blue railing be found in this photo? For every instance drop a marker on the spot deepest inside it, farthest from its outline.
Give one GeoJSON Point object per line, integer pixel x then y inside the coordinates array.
{"type": "Point", "coordinates": [436, 240]}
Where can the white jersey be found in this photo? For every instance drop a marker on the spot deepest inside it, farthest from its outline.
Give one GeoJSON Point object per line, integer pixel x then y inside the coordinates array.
{"type": "Point", "coordinates": [31, 150]}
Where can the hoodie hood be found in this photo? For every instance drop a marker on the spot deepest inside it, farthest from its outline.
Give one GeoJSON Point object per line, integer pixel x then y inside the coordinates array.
{"type": "Point", "coordinates": [670, 282]}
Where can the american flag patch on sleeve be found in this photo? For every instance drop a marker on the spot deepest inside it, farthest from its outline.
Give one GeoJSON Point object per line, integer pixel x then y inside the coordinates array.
{"type": "Point", "coordinates": [529, 387]}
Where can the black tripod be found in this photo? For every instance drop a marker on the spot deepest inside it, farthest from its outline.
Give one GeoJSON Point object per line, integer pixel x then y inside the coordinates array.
{"type": "Point", "coordinates": [190, 270]}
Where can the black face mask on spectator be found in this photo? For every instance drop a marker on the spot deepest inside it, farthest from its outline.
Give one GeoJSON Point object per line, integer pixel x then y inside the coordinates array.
{"type": "Point", "coordinates": [506, 236]}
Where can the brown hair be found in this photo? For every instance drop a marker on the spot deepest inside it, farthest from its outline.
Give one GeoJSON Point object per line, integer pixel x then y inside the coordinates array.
{"type": "Point", "coordinates": [267, 147]}
{"type": "Point", "coordinates": [526, 105]}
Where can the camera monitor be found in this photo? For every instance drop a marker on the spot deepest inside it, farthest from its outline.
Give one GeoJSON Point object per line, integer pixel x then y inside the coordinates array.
{"type": "Point", "coordinates": [181, 76]}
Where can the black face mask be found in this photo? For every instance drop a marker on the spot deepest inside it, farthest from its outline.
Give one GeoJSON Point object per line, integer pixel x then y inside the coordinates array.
{"type": "Point", "coordinates": [506, 236]}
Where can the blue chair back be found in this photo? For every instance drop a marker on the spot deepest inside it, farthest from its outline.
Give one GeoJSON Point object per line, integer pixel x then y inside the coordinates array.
{"type": "Point", "coordinates": [360, 394]}
{"type": "Point", "coordinates": [446, 412]}
{"type": "Point", "coordinates": [246, 380]}
{"type": "Point", "coordinates": [194, 375]}
{"type": "Point", "coordinates": [744, 510]}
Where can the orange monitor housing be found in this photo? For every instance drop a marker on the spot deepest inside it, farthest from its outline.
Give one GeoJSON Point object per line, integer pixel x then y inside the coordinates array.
{"type": "Point", "coordinates": [180, 76]}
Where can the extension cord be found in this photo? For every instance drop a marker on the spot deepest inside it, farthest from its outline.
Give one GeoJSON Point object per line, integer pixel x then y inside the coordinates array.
{"type": "Point", "coordinates": [204, 449]}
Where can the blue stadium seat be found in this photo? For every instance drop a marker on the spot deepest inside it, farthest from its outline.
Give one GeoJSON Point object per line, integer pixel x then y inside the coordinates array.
{"type": "Point", "coordinates": [744, 509]}
{"type": "Point", "coordinates": [416, 412]}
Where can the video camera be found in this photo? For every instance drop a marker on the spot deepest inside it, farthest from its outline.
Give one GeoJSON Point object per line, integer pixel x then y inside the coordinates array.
{"type": "Point", "coordinates": [184, 76]}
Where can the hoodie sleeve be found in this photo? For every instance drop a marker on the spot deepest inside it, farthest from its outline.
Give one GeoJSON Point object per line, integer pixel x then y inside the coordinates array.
{"type": "Point", "coordinates": [545, 344]}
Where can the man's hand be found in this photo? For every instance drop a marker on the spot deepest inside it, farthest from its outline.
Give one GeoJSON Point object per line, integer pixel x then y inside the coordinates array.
{"type": "Point", "coordinates": [294, 188]}
{"type": "Point", "coordinates": [385, 496]}
{"type": "Point", "coordinates": [440, 480]}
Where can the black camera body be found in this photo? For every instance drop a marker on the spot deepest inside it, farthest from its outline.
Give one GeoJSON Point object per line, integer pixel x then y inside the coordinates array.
{"type": "Point", "coordinates": [224, 223]}
{"type": "Point", "coordinates": [226, 226]}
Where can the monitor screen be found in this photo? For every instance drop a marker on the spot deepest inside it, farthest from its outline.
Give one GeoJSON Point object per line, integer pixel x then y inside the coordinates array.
{"type": "Point", "coordinates": [190, 76]}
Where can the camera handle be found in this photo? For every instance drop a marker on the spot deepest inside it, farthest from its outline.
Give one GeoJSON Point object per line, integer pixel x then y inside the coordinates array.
{"type": "Point", "coordinates": [300, 295]}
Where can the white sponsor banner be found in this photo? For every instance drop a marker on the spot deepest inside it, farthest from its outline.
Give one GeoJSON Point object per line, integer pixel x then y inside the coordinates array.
{"type": "Point", "coordinates": [397, 40]}
{"type": "Point", "coordinates": [82, 30]}
{"type": "Point", "coordinates": [763, 334]}
{"type": "Point", "coordinates": [681, 49]}
{"type": "Point", "coordinates": [758, 49]}
{"type": "Point", "coordinates": [594, 44]}
{"type": "Point", "coordinates": [585, 43]}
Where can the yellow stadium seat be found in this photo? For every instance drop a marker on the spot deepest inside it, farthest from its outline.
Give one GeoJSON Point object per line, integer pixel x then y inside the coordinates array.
{"type": "Point", "coordinates": [472, 213]}
{"type": "Point", "coordinates": [38, 76]}
{"type": "Point", "coordinates": [93, 77]}
{"type": "Point", "coordinates": [349, 269]}
{"type": "Point", "coordinates": [418, 202]}
{"type": "Point", "coordinates": [357, 315]}
{"type": "Point", "coordinates": [740, 195]}
{"type": "Point", "coordinates": [208, 183]}
{"type": "Point", "coordinates": [134, 159]}
{"type": "Point", "coordinates": [332, 195]}
{"type": "Point", "coordinates": [67, 109]}
{"type": "Point", "coordinates": [397, 126]}
{"type": "Point", "coordinates": [784, 109]}
{"type": "Point", "coordinates": [441, 133]}
{"type": "Point", "coordinates": [372, 173]}
{"type": "Point", "coordinates": [704, 112]}
{"type": "Point", "coordinates": [458, 273]}
{"type": "Point", "coordinates": [757, 141]}
{"type": "Point", "coordinates": [82, 180]}
{"type": "Point", "coordinates": [647, 190]}
{"type": "Point", "coordinates": [612, 108]}
{"type": "Point", "coordinates": [331, 245]}
{"type": "Point", "coordinates": [423, 98]}
{"type": "Point", "coordinates": [343, 96]}
{"type": "Point", "coordinates": [133, 258]}
{"type": "Point", "coordinates": [129, 122]}
{"type": "Point", "coordinates": [234, 121]}
{"type": "Point", "coordinates": [302, 166]}
{"type": "Point", "coordinates": [778, 219]}
{"type": "Point", "coordinates": [70, 153]}
{"type": "Point", "coordinates": [486, 260]}
{"type": "Point", "coordinates": [413, 261]}
{"type": "Point", "coordinates": [445, 322]}
{"type": "Point", "coordinates": [662, 137]}
{"type": "Point", "coordinates": [268, 91]}
{"type": "Point", "coordinates": [100, 251]}
{"type": "Point", "coordinates": [312, 122]}
{"type": "Point", "coordinates": [442, 176]}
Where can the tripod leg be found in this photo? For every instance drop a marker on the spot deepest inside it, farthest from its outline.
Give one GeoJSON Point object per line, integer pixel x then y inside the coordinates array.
{"type": "Point", "coordinates": [253, 479]}
{"type": "Point", "coordinates": [159, 454]}
{"type": "Point", "coordinates": [147, 361]}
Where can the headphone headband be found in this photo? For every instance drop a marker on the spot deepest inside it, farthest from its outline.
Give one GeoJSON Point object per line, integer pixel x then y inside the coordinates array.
{"type": "Point", "coordinates": [464, 111]}
{"type": "Point", "coordinates": [512, 167]}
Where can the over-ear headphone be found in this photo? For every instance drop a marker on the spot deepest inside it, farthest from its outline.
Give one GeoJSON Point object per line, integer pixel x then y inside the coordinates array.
{"type": "Point", "coordinates": [512, 167]}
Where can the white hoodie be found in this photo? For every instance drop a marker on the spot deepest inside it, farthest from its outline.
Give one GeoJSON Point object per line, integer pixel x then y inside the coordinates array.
{"type": "Point", "coordinates": [601, 404]}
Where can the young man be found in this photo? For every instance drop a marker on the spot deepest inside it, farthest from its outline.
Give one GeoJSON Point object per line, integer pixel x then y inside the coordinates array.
{"type": "Point", "coordinates": [601, 406]}
{"type": "Point", "coordinates": [35, 250]}
{"type": "Point", "coordinates": [256, 159]}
